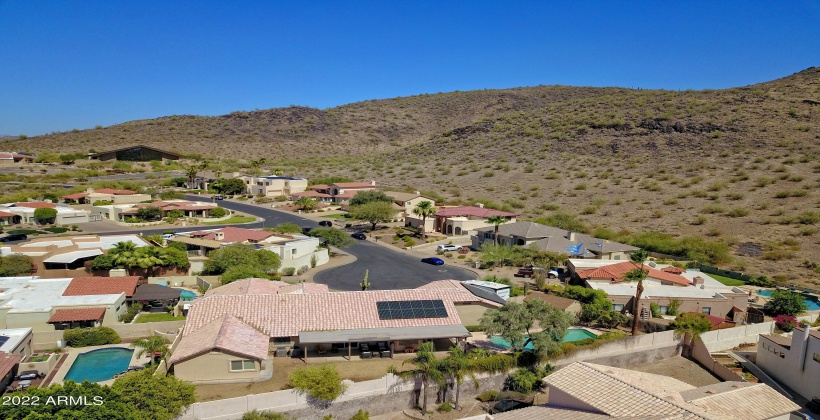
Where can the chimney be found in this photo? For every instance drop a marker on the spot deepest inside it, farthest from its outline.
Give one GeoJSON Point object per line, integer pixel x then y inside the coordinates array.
{"type": "Point", "coordinates": [479, 205]}
{"type": "Point", "coordinates": [697, 280]}
{"type": "Point", "coordinates": [373, 182]}
{"type": "Point", "coordinates": [417, 192]}
{"type": "Point", "coordinates": [571, 236]}
{"type": "Point", "coordinates": [219, 235]}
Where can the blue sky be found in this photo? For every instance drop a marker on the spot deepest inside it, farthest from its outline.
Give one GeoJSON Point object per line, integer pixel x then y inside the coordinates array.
{"type": "Point", "coordinates": [79, 64]}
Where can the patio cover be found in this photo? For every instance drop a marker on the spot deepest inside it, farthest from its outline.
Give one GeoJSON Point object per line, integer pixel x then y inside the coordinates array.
{"type": "Point", "coordinates": [384, 334]}
{"type": "Point", "coordinates": [156, 292]}
{"type": "Point", "coordinates": [70, 257]}
{"type": "Point", "coordinates": [8, 362]}
{"type": "Point", "coordinates": [80, 314]}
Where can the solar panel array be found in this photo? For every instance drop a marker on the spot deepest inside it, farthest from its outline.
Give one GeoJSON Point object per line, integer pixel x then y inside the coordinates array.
{"type": "Point", "coordinates": [3, 339]}
{"type": "Point", "coordinates": [411, 309]}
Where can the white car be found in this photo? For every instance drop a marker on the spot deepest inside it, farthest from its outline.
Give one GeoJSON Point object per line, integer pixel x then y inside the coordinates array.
{"type": "Point", "coordinates": [448, 248]}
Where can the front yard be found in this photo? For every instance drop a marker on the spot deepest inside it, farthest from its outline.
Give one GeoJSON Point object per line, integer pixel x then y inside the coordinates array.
{"type": "Point", "coordinates": [728, 281]}
{"type": "Point", "coordinates": [232, 221]}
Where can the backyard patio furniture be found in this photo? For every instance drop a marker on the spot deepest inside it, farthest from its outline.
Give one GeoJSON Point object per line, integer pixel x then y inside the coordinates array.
{"type": "Point", "coordinates": [386, 353]}
{"type": "Point", "coordinates": [367, 355]}
{"type": "Point", "coordinates": [281, 352]}
{"type": "Point", "coordinates": [321, 350]}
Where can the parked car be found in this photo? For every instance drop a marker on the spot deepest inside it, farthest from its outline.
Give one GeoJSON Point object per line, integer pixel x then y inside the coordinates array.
{"type": "Point", "coordinates": [358, 235]}
{"type": "Point", "coordinates": [433, 260]}
{"type": "Point", "coordinates": [219, 197]}
{"type": "Point", "coordinates": [13, 237]}
{"type": "Point", "coordinates": [530, 271]}
{"type": "Point", "coordinates": [448, 248]}
{"type": "Point", "coordinates": [326, 223]}
{"type": "Point", "coordinates": [168, 235]}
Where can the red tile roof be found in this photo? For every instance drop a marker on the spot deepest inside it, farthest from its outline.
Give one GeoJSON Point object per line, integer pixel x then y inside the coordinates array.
{"type": "Point", "coordinates": [616, 273]}
{"type": "Point", "coordinates": [80, 314]}
{"type": "Point", "coordinates": [115, 192]}
{"type": "Point", "coordinates": [227, 334]}
{"type": "Point", "coordinates": [7, 362]}
{"type": "Point", "coordinates": [346, 194]}
{"type": "Point", "coordinates": [36, 204]}
{"type": "Point", "coordinates": [715, 320]}
{"type": "Point", "coordinates": [353, 185]}
{"type": "Point", "coordinates": [6, 214]}
{"type": "Point", "coordinates": [256, 286]}
{"type": "Point", "coordinates": [83, 286]}
{"type": "Point", "coordinates": [673, 270]}
{"type": "Point", "coordinates": [319, 187]}
{"type": "Point", "coordinates": [75, 196]}
{"type": "Point", "coordinates": [472, 211]}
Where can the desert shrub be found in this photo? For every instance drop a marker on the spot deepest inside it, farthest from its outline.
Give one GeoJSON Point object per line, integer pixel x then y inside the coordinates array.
{"type": "Point", "coordinates": [95, 336]}
{"type": "Point", "coordinates": [445, 408]}
{"type": "Point", "coordinates": [486, 396]}
{"type": "Point", "coordinates": [218, 212]}
{"type": "Point", "coordinates": [523, 380]}
{"type": "Point", "coordinates": [362, 415]}
{"type": "Point", "coordinates": [289, 271]}
{"type": "Point", "coordinates": [131, 313]}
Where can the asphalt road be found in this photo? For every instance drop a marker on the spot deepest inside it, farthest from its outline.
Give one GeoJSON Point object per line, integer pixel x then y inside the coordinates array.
{"type": "Point", "coordinates": [388, 269]}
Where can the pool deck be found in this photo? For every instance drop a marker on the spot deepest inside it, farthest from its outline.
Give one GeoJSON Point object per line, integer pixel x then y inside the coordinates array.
{"type": "Point", "coordinates": [59, 377]}
{"type": "Point", "coordinates": [480, 339]}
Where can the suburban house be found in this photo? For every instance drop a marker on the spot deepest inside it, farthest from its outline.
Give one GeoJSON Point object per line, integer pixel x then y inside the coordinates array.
{"type": "Point", "coordinates": [106, 194]}
{"type": "Point", "coordinates": [296, 251]}
{"type": "Point", "coordinates": [462, 220]}
{"type": "Point", "coordinates": [7, 218]}
{"type": "Point", "coordinates": [552, 239]}
{"type": "Point", "coordinates": [339, 192]}
{"type": "Point", "coordinates": [139, 153]}
{"type": "Point", "coordinates": [274, 186]}
{"type": "Point", "coordinates": [592, 391]}
{"type": "Point", "coordinates": [693, 290]}
{"type": "Point", "coordinates": [7, 158]}
{"type": "Point", "coordinates": [66, 256]}
{"type": "Point", "coordinates": [407, 202]}
{"type": "Point", "coordinates": [118, 212]}
{"type": "Point", "coordinates": [16, 341]}
{"type": "Point", "coordinates": [794, 361]}
{"type": "Point", "coordinates": [24, 212]}
{"type": "Point", "coordinates": [265, 287]}
{"type": "Point", "coordinates": [57, 304]}
{"type": "Point", "coordinates": [232, 337]}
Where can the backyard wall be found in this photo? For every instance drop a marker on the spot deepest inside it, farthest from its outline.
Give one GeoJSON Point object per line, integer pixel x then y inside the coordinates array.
{"type": "Point", "coordinates": [730, 338]}
{"type": "Point", "coordinates": [702, 355]}
{"type": "Point", "coordinates": [128, 332]}
{"type": "Point", "coordinates": [652, 346]}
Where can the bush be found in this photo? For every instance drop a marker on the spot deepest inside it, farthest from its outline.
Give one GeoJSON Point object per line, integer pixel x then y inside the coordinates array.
{"type": "Point", "coordinates": [444, 408]}
{"type": "Point", "coordinates": [289, 271]}
{"type": "Point", "coordinates": [785, 323]}
{"type": "Point", "coordinates": [96, 336]}
{"type": "Point", "coordinates": [263, 415]}
{"type": "Point", "coordinates": [487, 396]}
{"type": "Point", "coordinates": [218, 212]}
{"type": "Point", "coordinates": [131, 313]}
{"type": "Point", "coordinates": [102, 263]}
{"type": "Point", "coordinates": [784, 302]}
{"type": "Point", "coordinates": [473, 328]}
{"type": "Point", "coordinates": [523, 380]}
{"type": "Point", "coordinates": [361, 415]}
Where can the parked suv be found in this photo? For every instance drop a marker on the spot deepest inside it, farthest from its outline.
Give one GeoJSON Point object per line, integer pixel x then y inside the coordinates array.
{"type": "Point", "coordinates": [448, 248]}
{"type": "Point", "coordinates": [13, 237]}
{"type": "Point", "coordinates": [326, 223]}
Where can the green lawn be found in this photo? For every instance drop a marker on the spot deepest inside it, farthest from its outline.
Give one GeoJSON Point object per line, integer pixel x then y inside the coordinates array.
{"type": "Point", "coordinates": [233, 220]}
{"type": "Point", "coordinates": [727, 280]}
{"type": "Point", "coordinates": [143, 318]}
{"type": "Point", "coordinates": [337, 216]}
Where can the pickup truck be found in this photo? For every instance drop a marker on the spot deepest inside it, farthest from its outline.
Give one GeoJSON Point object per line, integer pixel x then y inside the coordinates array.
{"type": "Point", "coordinates": [529, 271]}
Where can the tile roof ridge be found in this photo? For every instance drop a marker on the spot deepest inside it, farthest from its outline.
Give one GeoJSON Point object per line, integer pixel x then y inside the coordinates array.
{"type": "Point", "coordinates": [676, 404]}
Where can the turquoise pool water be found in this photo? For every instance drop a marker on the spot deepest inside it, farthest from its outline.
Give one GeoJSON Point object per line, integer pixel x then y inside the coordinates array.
{"type": "Point", "coordinates": [99, 365]}
{"type": "Point", "coordinates": [186, 295]}
{"type": "Point", "coordinates": [574, 334]}
{"type": "Point", "coordinates": [811, 302]}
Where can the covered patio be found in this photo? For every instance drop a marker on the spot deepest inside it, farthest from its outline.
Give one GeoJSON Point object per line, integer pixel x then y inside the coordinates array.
{"type": "Point", "coordinates": [155, 296]}
{"type": "Point", "coordinates": [372, 343]}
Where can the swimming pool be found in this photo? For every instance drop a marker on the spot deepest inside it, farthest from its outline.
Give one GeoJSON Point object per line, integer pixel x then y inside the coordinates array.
{"type": "Point", "coordinates": [573, 334]}
{"type": "Point", "coordinates": [811, 302]}
{"type": "Point", "coordinates": [99, 365]}
{"type": "Point", "coordinates": [186, 295]}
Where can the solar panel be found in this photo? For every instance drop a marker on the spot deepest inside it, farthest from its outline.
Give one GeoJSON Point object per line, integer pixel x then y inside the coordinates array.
{"type": "Point", "coordinates": [411, 309]}
{"type": "Point", "coordinates": [3, 339]}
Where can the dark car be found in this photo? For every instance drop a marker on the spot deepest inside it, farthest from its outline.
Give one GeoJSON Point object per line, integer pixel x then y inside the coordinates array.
{"type": "Point", "coordinates": [433, 260]}
{"type": "Point", "coordinates": [358, 235]}
{"type": "Point", "coordinates": [326, 223]}
{"type": "Point", "coordinates": [13, 237]}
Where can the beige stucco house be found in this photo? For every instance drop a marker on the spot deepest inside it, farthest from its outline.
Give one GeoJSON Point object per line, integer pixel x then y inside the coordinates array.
{"type": "Point", "coordinates": [232, 333]}
{"type": "Point", "coordinates": [338, 193]}
{"type": "Point", "coordinates": [24, 212]}
{"type": "Point", "coordinates": [693, 290]}
{"type": "Point", "coordinates": [466, 220]}
{"type": "Point", "coordinates": [274, 186]}
{"type": "Point", "coordinates": [106, 194]}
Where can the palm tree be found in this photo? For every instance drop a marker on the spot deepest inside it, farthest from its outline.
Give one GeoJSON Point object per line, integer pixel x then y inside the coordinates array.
{"type": "Point", "coordinates": [152, 346]}
{"type": "Point", "coordinates": [456, 365]}
{"type": "Point", "coordinates": [638, 274]}
{"type": "Point", "coordinates": [424, 209]}
{"type": "Point", "coordinates": [305, 203]}
{"type": "Point", "coordinates": [495, 221]}
{"type": "Point", "coordinates": [426, 369]}
{"type": "Point", "coordinates": [256, 163]}
{"type": "Point", "coordinates": [124, 254]}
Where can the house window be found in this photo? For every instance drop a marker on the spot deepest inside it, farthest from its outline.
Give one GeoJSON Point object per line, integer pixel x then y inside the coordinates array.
{"type": "Point", "coordinates": [706, 310]}
{"type": "Point", "coordinates": [294, 251]}
{"type": "Point", "coordinates": [664, 309]}
{"type": "Point", "coordinates": [618, 307]}
{"type": "Point", "coordinates": [242, 365]}
{"type": "Point", "coordinates": [617, 257]}
{"type": "Point", "coordinates": [817, 357]}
